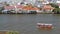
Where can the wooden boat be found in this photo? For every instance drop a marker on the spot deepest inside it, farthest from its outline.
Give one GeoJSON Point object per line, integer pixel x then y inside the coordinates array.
{"type": "Point", "coordinates": [44, 26]}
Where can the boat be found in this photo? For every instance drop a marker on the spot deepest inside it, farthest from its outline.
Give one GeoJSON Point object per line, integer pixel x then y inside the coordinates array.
{"type": "Point", "coordinates": [44, 26]}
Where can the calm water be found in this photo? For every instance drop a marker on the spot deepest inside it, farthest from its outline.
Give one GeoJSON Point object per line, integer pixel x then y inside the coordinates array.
{"type": "Point", "coordinates": [26, 23]}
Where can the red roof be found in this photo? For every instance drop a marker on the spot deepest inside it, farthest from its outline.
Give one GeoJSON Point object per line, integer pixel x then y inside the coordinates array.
{"type": "Point", "coordinates": [9, 7]}
{"type": "Point", "coordinates": [30, 8]}
{"type": "Point", "coordinates": [19, 6]}
{"type": "Point", "coordinates": [58, 4]}
{"type": "Point", "coordinates": [47, 7]}
{"type": "Point", "coordinates": [12, 7]}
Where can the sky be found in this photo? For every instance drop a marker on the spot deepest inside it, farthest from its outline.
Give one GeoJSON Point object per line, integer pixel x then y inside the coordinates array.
{"type": "Point", "coordinates": [13, 0]}
{"type": "Point", "coordinates": [7, 0]}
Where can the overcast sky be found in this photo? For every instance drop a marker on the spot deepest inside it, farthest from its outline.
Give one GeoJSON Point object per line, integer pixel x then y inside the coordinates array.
{"type": "Point", "coordinates": [8, 0]}
{"type": "Point", "coordinates": [13, 0]}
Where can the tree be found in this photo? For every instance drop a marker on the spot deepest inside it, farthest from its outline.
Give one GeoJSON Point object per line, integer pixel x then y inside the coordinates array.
{"type": "Point", "coordinates": [54, 5]}
{"type": "Point", "coordinates": [6, 3]}
{"type": "Point", "coordinates": [56, 11]}
{"type": "Point", "coordinates": [1, 9]}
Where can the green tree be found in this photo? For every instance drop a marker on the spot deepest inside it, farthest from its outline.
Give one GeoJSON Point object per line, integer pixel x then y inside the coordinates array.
{"type": "Point", "coordinates": [54, 5]}
{"type": "Point", "coordinates": [56, 11]}
{"type": "Point", "coordinates": [1, 9]}
{"type": "Point", "coordinates": [6, 3]}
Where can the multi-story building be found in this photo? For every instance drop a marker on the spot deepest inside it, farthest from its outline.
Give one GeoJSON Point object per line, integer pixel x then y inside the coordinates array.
{"type": "Point", "coordinates": [41, 3]}
{"type": "Point", "coordinates": [52, 1]}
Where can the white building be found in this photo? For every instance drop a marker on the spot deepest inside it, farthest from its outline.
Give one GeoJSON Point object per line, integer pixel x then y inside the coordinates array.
{"type": "Point", "coordinates": [58, 1]}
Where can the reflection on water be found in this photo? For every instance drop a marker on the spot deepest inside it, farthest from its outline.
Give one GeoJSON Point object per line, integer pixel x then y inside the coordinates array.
{"type": "Point", "coordinates": [26, 23]}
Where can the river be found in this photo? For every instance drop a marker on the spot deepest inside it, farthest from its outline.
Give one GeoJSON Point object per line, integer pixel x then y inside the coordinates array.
{"type": "Point", "coordinates": [26, 23]}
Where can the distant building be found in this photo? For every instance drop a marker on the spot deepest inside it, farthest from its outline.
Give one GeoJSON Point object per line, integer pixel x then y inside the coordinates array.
{"type": "Point", "coordinates": [1, 5]}
{"type": "Point", "coordinates": [47, 8]}
{"type": "Point", "coordinates": [58, 1]}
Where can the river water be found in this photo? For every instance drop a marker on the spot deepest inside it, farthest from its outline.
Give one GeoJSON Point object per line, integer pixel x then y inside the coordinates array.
{"type": "Point", "coordinates": [26, 23]}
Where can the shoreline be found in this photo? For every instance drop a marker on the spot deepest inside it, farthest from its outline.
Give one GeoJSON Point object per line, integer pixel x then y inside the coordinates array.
{"type": "Point", "coordinates": [30, 13]}
{"type": "Point", "coordinates": [25, 13]}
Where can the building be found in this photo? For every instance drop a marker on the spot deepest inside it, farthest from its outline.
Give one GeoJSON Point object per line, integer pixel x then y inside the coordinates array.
{"type": "Point", "coordinates": [47, 8]}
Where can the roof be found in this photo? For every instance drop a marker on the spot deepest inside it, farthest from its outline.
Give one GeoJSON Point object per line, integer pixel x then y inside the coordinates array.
{"type": "Point", "coordinates": [43, 24]}
{"type": "Point", "coordinates": [30, 8]}
{"type": "Point", "coordinates": [19, 6]}
{"type": "Point", "coordinates": [58, 4]}
{"type": "Point", "coordinates": [47, 7]}
{"type": "Point", "coordinates": [9, 7]}
{"type": "Point", "coordinates": [13, 7]}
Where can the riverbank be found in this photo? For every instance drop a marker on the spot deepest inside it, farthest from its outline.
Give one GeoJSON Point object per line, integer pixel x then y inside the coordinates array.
{"type": "Point", "coordinates": [27, 13]}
